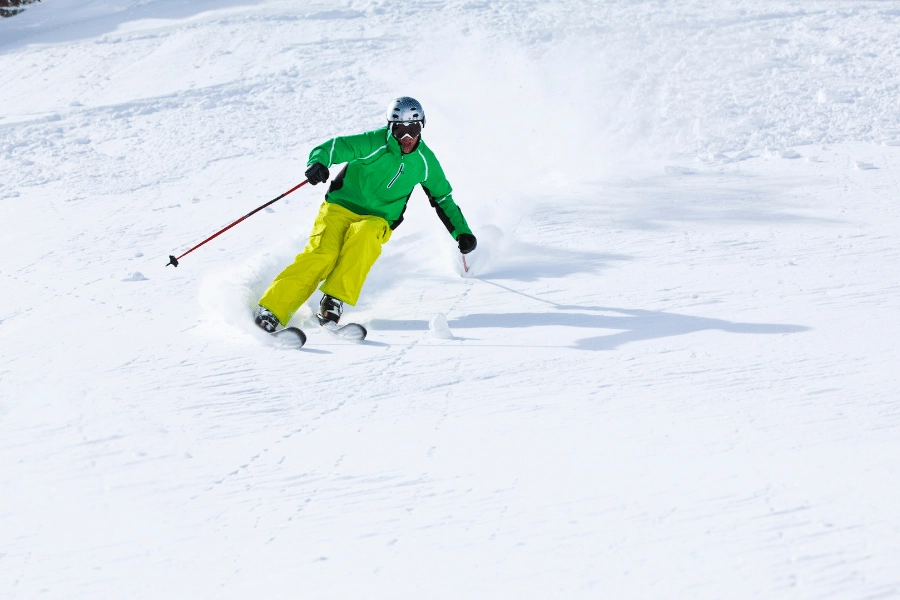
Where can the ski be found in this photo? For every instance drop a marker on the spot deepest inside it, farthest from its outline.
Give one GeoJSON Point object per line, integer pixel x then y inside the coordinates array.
{"type": "Point", "coordinates": [351, 331]}
{"type": "Point", "coordinates": [290, 336]}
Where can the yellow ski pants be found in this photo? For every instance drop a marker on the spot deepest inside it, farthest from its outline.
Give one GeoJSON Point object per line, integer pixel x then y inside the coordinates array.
{"type": "Point", "coordinates": [342, 248]}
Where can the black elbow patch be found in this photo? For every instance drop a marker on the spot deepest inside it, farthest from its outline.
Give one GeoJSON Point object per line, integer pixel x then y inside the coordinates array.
{"type": "Point", "coordinates": [440, 211]}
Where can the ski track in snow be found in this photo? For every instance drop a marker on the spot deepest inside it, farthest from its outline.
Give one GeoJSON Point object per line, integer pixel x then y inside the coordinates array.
{"type": "Point", "coordinates": [673, 370]}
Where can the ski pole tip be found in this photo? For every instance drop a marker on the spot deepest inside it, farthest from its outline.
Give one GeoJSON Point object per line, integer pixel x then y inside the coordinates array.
{"type": "Point", "coordinates": [172, 261]}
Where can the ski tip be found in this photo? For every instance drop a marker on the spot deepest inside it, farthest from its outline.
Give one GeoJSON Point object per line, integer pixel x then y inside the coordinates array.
{"type": "Point", "coordinates": [354, 332]}
{"type": "Point", "coordinates": [291, 336]}
{"type": "Point", "coordinates": [351, 331]}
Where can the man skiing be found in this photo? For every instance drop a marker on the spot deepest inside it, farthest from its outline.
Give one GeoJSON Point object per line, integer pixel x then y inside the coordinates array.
{"type": "Point", "coordinates": [364, 204]}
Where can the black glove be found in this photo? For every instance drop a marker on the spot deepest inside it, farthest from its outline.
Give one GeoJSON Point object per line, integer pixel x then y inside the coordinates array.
{"type": "Point", "coordinates": [466, 242]}
{"type": "Point", "coordinates": [317, 173]}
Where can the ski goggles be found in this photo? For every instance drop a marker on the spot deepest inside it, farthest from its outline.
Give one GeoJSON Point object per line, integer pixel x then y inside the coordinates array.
{"type": "Point", "coordinates": [402, 128]}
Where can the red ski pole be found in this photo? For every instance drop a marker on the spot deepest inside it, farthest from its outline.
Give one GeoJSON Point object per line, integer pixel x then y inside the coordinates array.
{"type": "Point", "coordinates": [174, 261]}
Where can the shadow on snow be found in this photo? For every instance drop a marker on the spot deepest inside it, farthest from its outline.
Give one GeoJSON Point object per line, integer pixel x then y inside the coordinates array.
{"type": "Point", "coordinates": [631, 325]}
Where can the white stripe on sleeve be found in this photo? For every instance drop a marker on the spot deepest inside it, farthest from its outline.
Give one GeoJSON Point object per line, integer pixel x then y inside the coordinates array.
{"type": "Point", "coordinates": [377, 150]}
{"type": "Point", "coordinates": [425, 162]}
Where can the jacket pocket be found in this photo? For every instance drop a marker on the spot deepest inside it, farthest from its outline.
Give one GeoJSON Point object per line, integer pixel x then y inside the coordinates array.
{"type": "Point", "coordinates": [399, 172]}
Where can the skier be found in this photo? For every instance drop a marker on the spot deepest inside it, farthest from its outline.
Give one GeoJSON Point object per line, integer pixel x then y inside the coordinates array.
{"type": "Point", "coordinates": [364, 204]}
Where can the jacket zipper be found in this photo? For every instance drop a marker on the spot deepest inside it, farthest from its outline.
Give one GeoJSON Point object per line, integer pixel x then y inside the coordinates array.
{"type": "Point", "coordinates": [396, 176]}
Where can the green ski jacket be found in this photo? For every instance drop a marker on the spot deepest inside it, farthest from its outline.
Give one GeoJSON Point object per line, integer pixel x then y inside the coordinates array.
{"type": "Point", "coordinates": [378, 178]}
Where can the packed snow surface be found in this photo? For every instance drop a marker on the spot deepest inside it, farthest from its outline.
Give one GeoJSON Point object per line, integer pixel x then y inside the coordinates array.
{"type": "Point", "coordinates": [671, 371]}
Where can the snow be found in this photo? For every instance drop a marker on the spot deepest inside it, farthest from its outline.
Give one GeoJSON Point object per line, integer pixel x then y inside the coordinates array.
{"type": "Point", "coordinates": [440, 329]}
{"type": "Point", "coordinates": [670, 372]}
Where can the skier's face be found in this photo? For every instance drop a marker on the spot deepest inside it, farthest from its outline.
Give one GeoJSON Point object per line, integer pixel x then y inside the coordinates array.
{"type": "Point", "coordinates": [407, 134]}
{"type": "Point", "coordinates": [408, 143]}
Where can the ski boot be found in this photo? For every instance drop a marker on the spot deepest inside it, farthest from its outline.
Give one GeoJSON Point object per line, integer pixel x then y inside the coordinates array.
{"type": "Point", "coordinates": [266, 320]}
{"type": "Point", "coordinates": [330, 310]}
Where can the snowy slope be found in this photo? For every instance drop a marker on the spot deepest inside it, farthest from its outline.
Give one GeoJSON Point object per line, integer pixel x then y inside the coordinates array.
{"type": "Point", "coordinates": [671, 372]}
